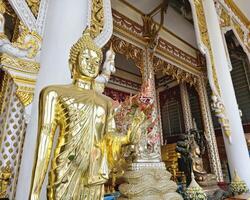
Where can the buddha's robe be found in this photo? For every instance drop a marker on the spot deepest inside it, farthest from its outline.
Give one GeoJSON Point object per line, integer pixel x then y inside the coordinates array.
{"type": "Point", "coordinates": [87, 144]}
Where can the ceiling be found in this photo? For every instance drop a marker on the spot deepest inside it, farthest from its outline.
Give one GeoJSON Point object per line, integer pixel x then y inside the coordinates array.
{"type": "Point", "coordinates": [177, 20]}
{"type": "Point", "coordinates": [144, 5]}
{"type": "Point", "coordinates": [180, 6]}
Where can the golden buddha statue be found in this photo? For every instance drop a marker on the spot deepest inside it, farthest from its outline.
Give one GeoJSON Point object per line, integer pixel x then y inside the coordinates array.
{"type": "Point", "coordinates": [88, 144]}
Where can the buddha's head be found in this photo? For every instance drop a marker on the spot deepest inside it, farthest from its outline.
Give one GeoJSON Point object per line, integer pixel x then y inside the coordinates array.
{"type": "Point", "coordinates": [85, 57]}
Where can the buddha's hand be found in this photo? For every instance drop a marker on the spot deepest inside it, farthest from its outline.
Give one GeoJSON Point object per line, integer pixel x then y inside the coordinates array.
{"type": "Point", "coordinates": [109, 64]}
{"type": "Point", "coordinates": [136, 126]}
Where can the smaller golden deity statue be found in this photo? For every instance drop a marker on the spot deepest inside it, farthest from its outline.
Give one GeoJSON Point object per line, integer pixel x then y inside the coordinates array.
{"type": "Point", "coordinates": [201, 175]}
{"type": "Point", "coordinates": [88, 144]}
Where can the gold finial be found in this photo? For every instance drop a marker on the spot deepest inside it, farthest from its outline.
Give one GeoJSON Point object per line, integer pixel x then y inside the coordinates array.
{"type": "Point", "coordinates": [85, 42]}
{"type": "Point", "coordinates": [236, 177]}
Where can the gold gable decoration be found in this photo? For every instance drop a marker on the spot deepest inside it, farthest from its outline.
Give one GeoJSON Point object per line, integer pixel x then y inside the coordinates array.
{"type": "Point", "coordinates": [34, 6]}
{"type": "Point", "coordinates": [26, 82]}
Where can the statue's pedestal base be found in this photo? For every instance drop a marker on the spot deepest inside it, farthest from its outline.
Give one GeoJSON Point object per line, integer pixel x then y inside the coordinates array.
{"type": "Point", "coordinates": [148, 181]}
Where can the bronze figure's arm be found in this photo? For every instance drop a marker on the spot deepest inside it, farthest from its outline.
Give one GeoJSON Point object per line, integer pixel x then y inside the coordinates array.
{"type": "Point", "coordinates": [46, 129]}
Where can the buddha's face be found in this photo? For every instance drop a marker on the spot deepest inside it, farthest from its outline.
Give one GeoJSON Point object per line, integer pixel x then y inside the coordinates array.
{"type": "Point", "coordinates": [89, 63]}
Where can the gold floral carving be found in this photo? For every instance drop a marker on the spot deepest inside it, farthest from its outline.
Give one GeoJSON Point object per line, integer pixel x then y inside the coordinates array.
{"type": "Point", "coordinates": [34, 6]}
{"type": "Point", "coordinates": [239, 30]}
{"type": "Point", "coordinates": [209, 129]}
{"type": "Point", "coordinates": [127, 24]}
{"type": "Point", "coordinates": [25, 85]}
{"type": "Point", "coordinates": [25, 97]}
{"type": "Point", "coordinates": [5, 176]}
{"type": "Point", "coordinates": [238, 12]}
{"type": "Point", "coordinates": [20, 65]}
{"type": "Point", "coordinates": [129, 50]}
{"type": "Point", "coordinates": [225, 20]}
{"type": "Point", "coordinates": [236, 20]}
{"type": "Point", "coordinates": [28, 40]}
{"type": "Point", "coordinates": [3, 88]}
{"type": "Point", "coordinates": [5, 7]}
{"type": "Point", "coordinates": [175, 72]}
{"type": "Point", "coordinates": [97, 18]}
{"type": "Point", "coordinates": [205, 38]}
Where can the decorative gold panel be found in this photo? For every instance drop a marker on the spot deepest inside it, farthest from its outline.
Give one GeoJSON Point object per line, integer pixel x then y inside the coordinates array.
{"type": "Point", "coordinates": [25, 84]}
{"type": "Point", "coordinates": [129, 50]}
{"type": "Point", "coordinates": [97, 18]}
{"type": "Point", "coordinates": [34, 6]}
{"type": "Point", "coordinates": [176, 73]}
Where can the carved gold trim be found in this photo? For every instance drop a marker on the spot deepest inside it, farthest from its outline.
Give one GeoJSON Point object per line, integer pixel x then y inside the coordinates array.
{"type": "Point", "coordinates": [175, 72]}
{"type": "Point", "coordinates": [5, 177]}
{"type": "Point", "coordinates": [209, 133]}
{"type": "Point", "coordinates": [238, 13]}
{"type": "Point", "coordinates": [229, 21]}
{"type": "Point", "coordinates": [97, 18]}
{"type": "Point", "coordinates": [129, 50]}
{"type": "Point", "coordinates": [19, 65]}
{"type": "Point", "coordinates": [28, 40]}
{"type": "Point", "coordinates": [3, 89]}
{"type": "Point", "coordinates": [23, 72]}
{"type": "Point", "coordinates": [239, 30]}
{"type": "Point", "coordinates": [25, 97]}
{"type": "Point", "coordinates": [24, 80]}
{"type": "Point", "coordinates": [34, 6]}
{"type": "Point", "coordinates": [136, 54]}
{"type": "Point", "coordinates": [225, 20]}
{"type": "Point", "coordinates": [205, 38]}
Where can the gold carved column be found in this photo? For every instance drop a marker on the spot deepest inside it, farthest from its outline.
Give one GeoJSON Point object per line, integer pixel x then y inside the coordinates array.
{"type": "Point", "coordinates": [12, 132]}
{"type": "Point", "coordinates": [187, 115]}
{"type": "Point", "coordinates": [209, 133]}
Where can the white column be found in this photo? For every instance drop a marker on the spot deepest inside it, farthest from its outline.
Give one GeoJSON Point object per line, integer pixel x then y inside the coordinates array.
{"type": "Point", "coordinates": [187, 115]}
{"type": "Point", "coordinates": [237, 152]}
{"type": "Point", "coordinates": [65, 23]}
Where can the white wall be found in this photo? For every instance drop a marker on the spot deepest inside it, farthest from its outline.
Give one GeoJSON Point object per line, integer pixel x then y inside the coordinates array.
{"type": "Point", "coordinates": [181, 27]}
{"type": "Point", "coordinates": [65, 23]}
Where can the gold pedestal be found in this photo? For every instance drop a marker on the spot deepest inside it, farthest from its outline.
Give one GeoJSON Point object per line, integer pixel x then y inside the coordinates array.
{"type": "Point", "coordinates": [147, 181]}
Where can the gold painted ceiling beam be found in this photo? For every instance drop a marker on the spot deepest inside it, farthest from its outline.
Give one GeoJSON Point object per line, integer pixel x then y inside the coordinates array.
{"type": "Point", "coordinates": [237, 11]}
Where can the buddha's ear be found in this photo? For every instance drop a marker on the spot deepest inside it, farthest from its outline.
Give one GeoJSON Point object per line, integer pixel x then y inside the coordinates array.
{"type": "Point", "coordinates": [71, 69]}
